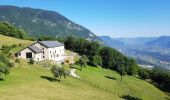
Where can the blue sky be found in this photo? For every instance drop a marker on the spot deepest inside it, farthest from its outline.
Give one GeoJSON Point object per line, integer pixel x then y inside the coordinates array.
{"type": "Point", "coordinates": [115, 18]}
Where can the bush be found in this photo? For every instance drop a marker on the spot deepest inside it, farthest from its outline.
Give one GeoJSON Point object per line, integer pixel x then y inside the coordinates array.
{"type": "Point", "coordinates": [32, 61]}
{"type": "Point", "coordinates": [11, 64]}
{"type": "Point", "coordinates": [17, 60]}
{"type": "Point", "coordinates": [4, 59]}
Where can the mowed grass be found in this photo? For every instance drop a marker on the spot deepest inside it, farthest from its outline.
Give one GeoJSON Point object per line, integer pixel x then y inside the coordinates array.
{"type": "Point", "coordinates": [110, 81]}
{"type": "Point", "coordinates": [25, 83]}
{"type": "Point", "coordinates": [10, 40]}
{"type": "Point", "coordinates": [6, 40]}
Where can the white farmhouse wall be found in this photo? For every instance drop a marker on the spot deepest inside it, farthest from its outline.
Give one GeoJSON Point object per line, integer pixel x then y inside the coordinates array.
{"type": "Point", "coordinates": [56, 53]}
{"type": "Point", "coordinates": [36, 57]}
{"type": "Point", "coordinates": [45, 55]}
{"type": "Point", "coordinates": [22, 54]}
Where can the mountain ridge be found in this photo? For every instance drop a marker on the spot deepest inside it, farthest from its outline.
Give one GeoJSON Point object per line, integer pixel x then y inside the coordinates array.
{"type": "Point", "coordinates": [37, 22]}
{"type": "Point", "coordinates": [162, 41]}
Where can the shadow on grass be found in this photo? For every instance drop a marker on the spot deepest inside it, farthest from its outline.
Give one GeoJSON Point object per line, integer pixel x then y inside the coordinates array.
{"type": "Point", "coordinates": [112, 78]}
{"type": "Point", "coordinates": [50, 79]}
{"type": "Point", "coordinates": [74, 67]}
{"type": "Point", "coordinates": [1, 79]}
{"type": "Point", "coordinates": [129, 97]}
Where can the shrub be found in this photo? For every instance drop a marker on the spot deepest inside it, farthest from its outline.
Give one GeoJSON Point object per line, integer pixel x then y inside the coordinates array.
{"type": "Point", "coordinates": [17, 60]}
{"type": "Point", "coordinates": [11, 64]}
{"type": "Point", "coordinates": [32, 61]}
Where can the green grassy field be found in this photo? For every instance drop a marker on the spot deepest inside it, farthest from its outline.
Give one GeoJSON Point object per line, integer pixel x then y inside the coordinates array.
{"type": "Point", "coordinates": [25, 83]}
{"type": "Point", "coordinates": [110, 81]}
{"type": "Point", "coordinates": [31, 83]}
{"type": "Point", "coordinates": [10, 40]}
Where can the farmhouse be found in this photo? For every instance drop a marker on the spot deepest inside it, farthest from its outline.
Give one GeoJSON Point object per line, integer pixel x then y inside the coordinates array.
{"type": "Point", "coordinates": [43, 50]}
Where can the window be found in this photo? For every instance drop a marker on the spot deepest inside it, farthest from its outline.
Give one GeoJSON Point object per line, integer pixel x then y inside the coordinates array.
{"type": "Point", "coordinates": [55, 51]}
{"type": "Point", "coordinates": [43, 48]}
{"type": "Point", "coordinates": [37, 58]}
{"type": "Point", "coordinates": [43, 57]}
{"type": "Point", "coordinates": [19, 54]}
{"type": "Point", "coordinates": [50, 52]}
{"type": "Point", "coordinates": [51, 56]}
{"type": "Point", "coordinates": [43, 52]}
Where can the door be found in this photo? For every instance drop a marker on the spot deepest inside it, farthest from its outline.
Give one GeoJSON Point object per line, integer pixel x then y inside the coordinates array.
{"type": "Point", "coordinates": [29, 55]}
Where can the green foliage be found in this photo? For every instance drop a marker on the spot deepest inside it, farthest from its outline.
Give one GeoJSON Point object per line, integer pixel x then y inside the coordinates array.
{"type": "Point", "coordinates": [31, 61]}
{"type": "Point", "coordinates": [98, 55]}
{"type": "Point", "coordinates": [97, 60]}
{"type": "Point", "coordinates": [83, 61]}
{"type": "Point", "coordinates": [48, 23]}
{"type": "Point", "coordinates": [4, 65]}
{"type": "Point", "coordinates": [58, 72]}
{"type": "Point", "coordinates": [144, 73]}
{"type": "Point", "coordinates": [6, 49]}
{"type": "Point", "coordinates": [4, 59]}
{"type": "Point", "coordinates": [161, 78]}
{"type": "Point", "coordinates": [4, 69]}
{"type": "Point", "coordinates": [10, 30]}
{"type": "Point", "coordinates": [17, 60]}
{"type": "Point", "coordinates": [121, 70]}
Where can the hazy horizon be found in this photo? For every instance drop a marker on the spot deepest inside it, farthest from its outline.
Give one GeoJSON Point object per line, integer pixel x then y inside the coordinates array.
{"type": "Point", "coordinates": [114, 18]}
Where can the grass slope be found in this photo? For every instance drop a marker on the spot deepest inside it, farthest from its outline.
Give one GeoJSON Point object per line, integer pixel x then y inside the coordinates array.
{"type": "Point", "coordinates": [25, 82]}
{"type": "Point", "coordinates": [110, 81]}
{"type": "Point", "coordinates": [10, 40]}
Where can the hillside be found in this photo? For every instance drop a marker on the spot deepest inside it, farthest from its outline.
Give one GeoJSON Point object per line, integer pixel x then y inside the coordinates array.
{"type": "Point", "coordinates": [163, 41]}
{"type": "Point", "coordinates": [42, 22]}
{"type": "Point", "coordinates": [10, 40]}
{"type": "Point", "coordinates": [33, 81]}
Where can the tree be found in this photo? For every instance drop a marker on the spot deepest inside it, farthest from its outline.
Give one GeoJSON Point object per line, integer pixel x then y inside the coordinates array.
{"type": "Point", "coordinates": [83, 61]}
{"type": "Point", "coordinates": [133, 67]}
{"type": "Point", "coordinates": [143, 73]}
{"type": "Point", "coordinates": [4, 65]}
{"type": "Point", "coordinates": [121, 70]}
{"type": "Point", "coordinates": [4, 69]}
{"type": "Point", "coordinates": [58, 72]}
{"type": "Point", "coordinates": [97, 60]}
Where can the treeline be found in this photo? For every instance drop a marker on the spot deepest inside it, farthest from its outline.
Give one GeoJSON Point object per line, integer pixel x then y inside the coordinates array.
{"type": "Point", "coordinates": [10, 30]}
{"type": "Point", "coordinates": [158, 76]}
{"type": "Point", "coordinates": [99, 55]}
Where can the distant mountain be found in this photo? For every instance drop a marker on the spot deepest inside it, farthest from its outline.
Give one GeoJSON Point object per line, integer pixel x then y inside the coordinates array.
{"type": "Point", "coordinates": [136, 41]}
{"type": "Point", "coordinates": [112, 42]}
{"type": "Point", "coordinates": [37, 22]}
{"type": "Point", "coordinates": [163, 41]}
